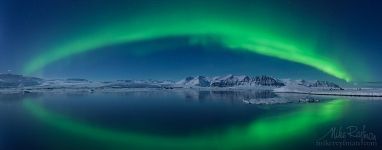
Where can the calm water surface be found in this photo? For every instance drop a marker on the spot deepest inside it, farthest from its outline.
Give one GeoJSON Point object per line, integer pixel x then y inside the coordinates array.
{"type": "Point", "coordinates": [187, 119]}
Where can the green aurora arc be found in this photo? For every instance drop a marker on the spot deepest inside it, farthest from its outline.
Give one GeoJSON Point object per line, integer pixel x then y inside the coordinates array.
{"type": "Point", "coordinates": [233, 33]}
{"type": "Point", "coordinates": [262, 132]}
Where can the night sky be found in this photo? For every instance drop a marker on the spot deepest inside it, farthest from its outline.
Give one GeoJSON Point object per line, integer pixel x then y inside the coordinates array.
{"type": "Point", "coordinates": [150, 39]}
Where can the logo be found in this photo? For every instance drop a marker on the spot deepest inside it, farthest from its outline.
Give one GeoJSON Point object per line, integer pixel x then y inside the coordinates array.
{"type": "Point", "coordinates": [347, 137]}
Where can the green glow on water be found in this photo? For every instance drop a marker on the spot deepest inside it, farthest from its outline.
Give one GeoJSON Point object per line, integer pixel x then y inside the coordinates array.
{"type": "Point", "coordinates": [230, 32]}
{"type": "Point", "coordinates": [260, 132]}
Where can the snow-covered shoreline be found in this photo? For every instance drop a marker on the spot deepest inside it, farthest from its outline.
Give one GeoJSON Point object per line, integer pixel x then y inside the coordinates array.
{"type": "Point", "coordinates": [10, 83]}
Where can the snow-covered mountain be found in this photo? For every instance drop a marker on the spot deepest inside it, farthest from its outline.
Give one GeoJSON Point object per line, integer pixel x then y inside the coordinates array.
{"type": "Point", "coordinates": [195, 81]}
{"type": "Point", "coordinates": [137, 84]}
{"type": "Point", "coordinates": [230, 81]}
{"type": "Point", "coordinates": [304, 86]}
{"type": "Point", "coordinates": [312, 84]}
{"type": "Point", "coordinates": [68, 83]}
{"type": "Point", "coordinates": [14, 81]}
{"type": "Point", "coordinates": [244, 80]}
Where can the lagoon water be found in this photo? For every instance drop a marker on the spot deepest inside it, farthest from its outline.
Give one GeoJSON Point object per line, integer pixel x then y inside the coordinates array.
{"type": "Point", "coordinates": [187, 119]}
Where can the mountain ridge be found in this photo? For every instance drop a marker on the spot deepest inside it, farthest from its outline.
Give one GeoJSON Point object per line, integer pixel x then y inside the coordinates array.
{"type": "Point", "coordinates": [227, 81]}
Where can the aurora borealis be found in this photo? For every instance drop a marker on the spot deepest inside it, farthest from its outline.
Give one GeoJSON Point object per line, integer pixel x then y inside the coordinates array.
{"type": "Point", "coordinates": [239, 37]}
{"type": "Point", "coordinates": [48, 38]}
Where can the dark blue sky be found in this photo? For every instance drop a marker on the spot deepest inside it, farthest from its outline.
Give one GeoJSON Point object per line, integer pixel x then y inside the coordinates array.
{"type": "Point", "coordinates": [29, 27]}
